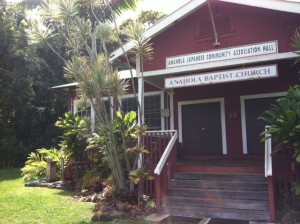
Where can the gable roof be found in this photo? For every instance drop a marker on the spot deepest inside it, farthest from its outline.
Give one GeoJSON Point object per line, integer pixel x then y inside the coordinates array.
{"type": "Point", "coordinates": [277, 5]}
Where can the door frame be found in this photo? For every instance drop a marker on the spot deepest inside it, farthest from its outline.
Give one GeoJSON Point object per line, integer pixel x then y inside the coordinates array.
{"type": "Point", "coordinates": [243, 113]}
{"type": "Point", "coordinates": [222, 109]}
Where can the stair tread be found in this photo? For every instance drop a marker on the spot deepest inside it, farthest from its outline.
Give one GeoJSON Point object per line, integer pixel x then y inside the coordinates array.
{"type": "Point", "coordinates": [219, 199]}
{"type": "Point", "coordinates": [241, 196]}
{"type": "Point", "coordinates": [214, 209]}
{"type": "Point", "coordinates": [223, 181]}
{"type": "Point", "coordinates": [246, 204]}
{"type": "Point", "coordinates": [215, 189]}
{"type": "Point", "coordinates": [215, 184]}
{"type": "Point", "coordinates": [220, 176]}
{"type": "Point", "coordinates": [237, 214]}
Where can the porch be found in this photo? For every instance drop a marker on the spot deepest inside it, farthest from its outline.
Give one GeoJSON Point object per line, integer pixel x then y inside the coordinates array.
{"type": "Point", "coordinates": [215, 186]}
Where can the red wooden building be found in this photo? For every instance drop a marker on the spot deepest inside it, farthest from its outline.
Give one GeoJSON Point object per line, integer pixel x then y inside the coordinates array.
{"type": "Point", "coordinates": [220, 63]}
{"type": "Point", "coordinates": [217, 66]}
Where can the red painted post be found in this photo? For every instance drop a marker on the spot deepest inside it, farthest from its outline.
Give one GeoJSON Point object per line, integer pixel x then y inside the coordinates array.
{"type": "Point", "coordinates": [271, 199]}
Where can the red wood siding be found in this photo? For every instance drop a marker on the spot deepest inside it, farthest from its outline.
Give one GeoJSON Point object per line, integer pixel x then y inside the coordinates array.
{"type": "Point", "coordinates": [248, 25]}
{"type": "Point", "coordinates": [231, 92]}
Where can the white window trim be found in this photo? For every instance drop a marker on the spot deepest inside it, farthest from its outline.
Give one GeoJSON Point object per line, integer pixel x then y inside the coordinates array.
{"type": "Point", "coordinates": [222, 109]}
{"type": "Point", "coordinates": [154, 93]}
{"type": "Point", "coordinates": [93, 113]}
{"type": "Point", "coordinates": [243, 113]}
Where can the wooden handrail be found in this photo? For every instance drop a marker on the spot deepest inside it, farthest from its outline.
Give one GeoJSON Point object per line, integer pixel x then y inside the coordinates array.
{"type": "Point", "coordinates": [268, 154]}
{"type": "Point", "coordinates": [165, 155]}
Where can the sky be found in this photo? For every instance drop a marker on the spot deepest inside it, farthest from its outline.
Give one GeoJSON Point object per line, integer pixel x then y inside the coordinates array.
{"type": "Point", "coordinates": [165, 6]}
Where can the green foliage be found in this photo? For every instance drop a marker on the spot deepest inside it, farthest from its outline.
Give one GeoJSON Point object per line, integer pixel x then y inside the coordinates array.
{"type": "Point", "coordinates": [92, 180]}
{"type": "Point", "coordinates": [284, 118]}
{"type": "Point", "coordinates": [75, 134]}
{"type": "Point", "coordinates": [142, 46]}
{"type": "Point", "coordinates": [28, 105]}
{"type": "Point", "coordinates": [296, 188]}
{"type": "Point", "coordinates": [138, 175]}
{"type": "Point", "coordinates": [296, 40]}
{"type": "Point", "coordinates": [150, 17]}
{"type": "Point", "coordinates": [84, 37]}
{"type": "Point", "coordinates": [36, 164]}
{"type": "Point", "coordinates": [9, 148]}
{"type": "Point", "coordinates": [125, 124]}
{"type": "Point", "coordinates": [122, 124]}
{"type": "Point", "coordinates": [147, 18]}
{"type": "Point", "coordinates": [149, 201]}
{"type": "Point", "coordinates": [98, 154]}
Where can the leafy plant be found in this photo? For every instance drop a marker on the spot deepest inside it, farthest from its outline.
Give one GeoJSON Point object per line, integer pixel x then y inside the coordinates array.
{"type": "Point", "coordinates": [284, 118]}
{"type": "Point", "coordinates": [98, 155]}
{"type": "Point", "coordinates": [75, 134]}
{"type": "Point", "coordinates": [36, 164]}
{"type": "Point", "coordinates": [138, 175]}
{"type": "Point", "coordinates": [92, 180]}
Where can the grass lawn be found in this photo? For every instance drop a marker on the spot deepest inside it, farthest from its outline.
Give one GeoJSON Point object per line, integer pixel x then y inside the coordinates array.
{"type": "Point", "coordinates": [19, 204]}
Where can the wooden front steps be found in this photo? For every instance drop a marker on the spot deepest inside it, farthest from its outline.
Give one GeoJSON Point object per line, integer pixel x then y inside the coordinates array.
{"type": "Point", "coordinates": [241, 196]}
{"type": "Point", "coordinates": [221, 166]}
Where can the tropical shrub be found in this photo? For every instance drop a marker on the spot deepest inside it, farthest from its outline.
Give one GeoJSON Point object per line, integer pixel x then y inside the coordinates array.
{"type": "Point", "coordinates": [284, 118]}
{"type": "Point", "coordinates": [92, 180]}
{"type": "Point", "coordinates": [75, 134]}
{"type": "Point", "coordinates": [9, 148]}
{"type": "Point", "coordinates": [36, 164]}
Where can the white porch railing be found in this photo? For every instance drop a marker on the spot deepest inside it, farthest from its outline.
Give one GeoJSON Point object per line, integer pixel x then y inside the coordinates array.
{"type": "Point", "coordinates": [268, 154]}
{"type": "Point", "coordinates": [166, 153]}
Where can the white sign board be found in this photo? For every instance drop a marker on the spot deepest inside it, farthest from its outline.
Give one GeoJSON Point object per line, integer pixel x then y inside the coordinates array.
{"type": "Point", "coordinates": [257, 49]}
{"type": "Point", "coordinates": [268, 71]}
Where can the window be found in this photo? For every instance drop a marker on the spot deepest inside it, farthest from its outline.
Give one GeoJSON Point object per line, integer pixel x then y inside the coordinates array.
{"type": "Point", "coordinates": [152, 107]}
{"type": "Point", "coordinates": [84, 112]}
{"type": "Point", "coordinates": [153, 112]}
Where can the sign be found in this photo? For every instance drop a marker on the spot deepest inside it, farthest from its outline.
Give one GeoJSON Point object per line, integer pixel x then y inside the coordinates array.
{"type": "Point", "coordinates": [270, 47]}
{"type": "Point", "coordinates": [268, 71]}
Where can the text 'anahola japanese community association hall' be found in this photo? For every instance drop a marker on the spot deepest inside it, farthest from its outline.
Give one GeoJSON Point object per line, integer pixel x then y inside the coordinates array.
{"type": "Point", "coordinates": [217, 66]}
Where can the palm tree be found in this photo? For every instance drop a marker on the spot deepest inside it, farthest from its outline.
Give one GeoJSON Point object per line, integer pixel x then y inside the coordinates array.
{"type": "Point", "coordinates": [77, 31]}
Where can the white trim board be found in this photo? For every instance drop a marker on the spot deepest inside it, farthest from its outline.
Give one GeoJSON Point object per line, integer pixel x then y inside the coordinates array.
{"type": "Point", "coordinates": [222, 109]}
{"type": "Point", "coordinates": [243, 113]}
{"type": "Point", "coordinates": [221, 64]}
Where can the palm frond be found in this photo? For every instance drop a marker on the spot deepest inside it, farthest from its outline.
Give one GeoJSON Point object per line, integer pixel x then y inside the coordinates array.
{"type": "Point", "coordinates": [120, 6]}
{"type": "Point", "coordinates": [105, 32]}
{"type": "Point", "coordinates": [296, 43]}
{"type": "Point", "coordinates": [142, 45]}
{"type": "Point", "coordinates": [118, 86]}
{"type": "Point", "coordinates": [106, 10]}
{"type": "Point", "coordinates": [39, 33]}
{"type": "Point", "coordinates": [60, 9]}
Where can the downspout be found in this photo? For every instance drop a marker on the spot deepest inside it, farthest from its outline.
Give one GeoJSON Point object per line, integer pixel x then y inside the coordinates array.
{"type": "Point", "coordinates": [216, 43]}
